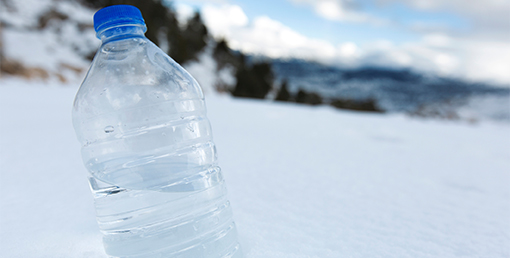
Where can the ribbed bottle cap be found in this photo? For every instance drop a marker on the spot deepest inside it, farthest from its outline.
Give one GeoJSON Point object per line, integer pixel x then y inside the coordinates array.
{"type": "Point", "coordinates": [117, 15]}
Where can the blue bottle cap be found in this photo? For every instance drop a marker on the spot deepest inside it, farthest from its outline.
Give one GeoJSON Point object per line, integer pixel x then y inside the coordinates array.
{"type": "Point", "coordinates": [117, 15]}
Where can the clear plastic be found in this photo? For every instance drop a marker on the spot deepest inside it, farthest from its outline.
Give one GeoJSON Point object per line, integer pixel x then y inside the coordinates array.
{"type": "Point", "coordinates": [147, 144]}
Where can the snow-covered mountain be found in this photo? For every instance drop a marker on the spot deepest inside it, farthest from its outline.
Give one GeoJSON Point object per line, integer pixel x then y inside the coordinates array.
{"type": "Point", "coordinates": [54, 41]}
{"type": "Point", "coordinates": [303, 182]}
{"type": "Point", "coordinates": [397, 90]}
{"type": "Point", "coordinates": [46, 40]}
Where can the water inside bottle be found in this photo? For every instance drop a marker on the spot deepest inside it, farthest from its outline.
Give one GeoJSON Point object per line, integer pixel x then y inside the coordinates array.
{"type": "Point", "coordinates": [191, 219]}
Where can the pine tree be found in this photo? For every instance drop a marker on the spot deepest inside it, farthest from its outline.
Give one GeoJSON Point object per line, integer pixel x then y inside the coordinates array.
{"type": "Point", "coordinates": [195, 35]}
{"type": "Point", "coordinates": [224, 56]}
{"type": "Point", "coordinates": [283, 93]}
{"type": "Point", "coordinates": [160, 19]}
{"type": "Point", "coordinates": [253, 82]}
{"type": "Point", "coordinates": [310, 98]}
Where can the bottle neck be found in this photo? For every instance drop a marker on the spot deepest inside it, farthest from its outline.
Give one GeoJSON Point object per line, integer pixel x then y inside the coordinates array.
{"type": "Point", "coordinates": [121, 32]}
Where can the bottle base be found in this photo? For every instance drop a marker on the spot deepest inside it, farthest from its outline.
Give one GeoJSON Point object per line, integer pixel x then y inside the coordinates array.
{"type": "Point", "coordinates": [160, 224]}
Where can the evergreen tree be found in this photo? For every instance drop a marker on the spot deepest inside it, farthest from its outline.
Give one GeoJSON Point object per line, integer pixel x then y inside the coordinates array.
{"type": "Point", "coordinates": [360, 105]}
{"type": "Point", "coordinates": [310, 98]}
{"type": "Point", "coordinates": [195, 35]}
{"type": "Point", "coordinates": [224, 56]}
{"type": "Point", "coordinates": [283, 93]}
{"type": "Point", "coordinates": [253, 82]}
{"type": "Point", "coordinates": [161, 21]}
{"type": "Point", "coordinates": [184, 44]}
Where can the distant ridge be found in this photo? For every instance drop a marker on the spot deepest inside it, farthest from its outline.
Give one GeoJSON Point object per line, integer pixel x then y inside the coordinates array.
{"type": "Point", "coordinates": [393, 89]}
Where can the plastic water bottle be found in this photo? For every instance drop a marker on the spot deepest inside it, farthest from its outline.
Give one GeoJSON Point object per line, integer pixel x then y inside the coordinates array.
{"type": "Point", "coordinates": [147, 144]}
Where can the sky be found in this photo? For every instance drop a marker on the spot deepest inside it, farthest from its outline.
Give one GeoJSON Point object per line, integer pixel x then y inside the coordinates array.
{"type": "Point", "coordinates": [466, 39]}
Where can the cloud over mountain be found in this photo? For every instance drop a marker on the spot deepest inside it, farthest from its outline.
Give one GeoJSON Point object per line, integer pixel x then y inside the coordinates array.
{"type": "Point", "coordinates": [477, 54]}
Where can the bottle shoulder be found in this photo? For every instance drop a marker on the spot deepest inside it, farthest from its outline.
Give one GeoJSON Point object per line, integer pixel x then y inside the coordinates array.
{"type": "Point", "coordinates": [131, 72]}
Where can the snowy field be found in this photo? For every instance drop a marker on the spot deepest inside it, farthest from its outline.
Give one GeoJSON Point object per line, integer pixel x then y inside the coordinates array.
{"type": "Point", "coordinates": [303, 181]}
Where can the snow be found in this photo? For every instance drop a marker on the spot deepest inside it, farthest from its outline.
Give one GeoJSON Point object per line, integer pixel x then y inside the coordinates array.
{"type": "Point", "coordinates": [19, 44]}
{"type": "Point", "coordinates": [487, 107]}
{"type": "Point", "coordinates": [58, 48]}
{"type": "Point", "coordinates": [303, 181]}
{"type": "Point", "coordinates": [23, 13]}
{"type": "Point", "coordinates": [205, 71]}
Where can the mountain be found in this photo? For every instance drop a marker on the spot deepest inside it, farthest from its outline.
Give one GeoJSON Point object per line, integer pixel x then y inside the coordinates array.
{"type": "Point", "coordinates": [394, 90]}
{"type": "Point", "coordinates": [46, 40]}
{"type": "Point", "coordinates": [54, 41]}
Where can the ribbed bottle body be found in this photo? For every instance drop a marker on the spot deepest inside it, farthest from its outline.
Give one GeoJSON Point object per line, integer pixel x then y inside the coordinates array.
{"type": "Point", "coordinates": [148, 146]}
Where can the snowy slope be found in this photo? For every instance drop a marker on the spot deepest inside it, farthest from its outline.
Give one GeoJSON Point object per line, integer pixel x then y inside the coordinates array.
{"type": "Point", "coordinates": [56, 51]}
{"type": "Point", "coordinates": [55, 36]}
{"type": "Point", "coordinates": [396, 90]}
{"type": "Point", "coordinates": [303, 182]}
{"type": "Point", "coordinates": [61, 46]}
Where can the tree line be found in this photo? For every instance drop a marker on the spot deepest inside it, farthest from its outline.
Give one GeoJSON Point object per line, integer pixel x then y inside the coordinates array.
{"type": "Point", "coordinates": [185, 41]}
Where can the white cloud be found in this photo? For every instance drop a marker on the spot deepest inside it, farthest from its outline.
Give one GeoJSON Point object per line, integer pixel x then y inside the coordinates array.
{"type": "Point", "coordinates": [438, 40]}
{"type": "Point", "coordinates": [486, 60]}
{"type": "Point", "coordinates": [270, 37]}
{"type": "Point", "coordinates": [335, 10]}
{"type": "Point", "coordinates": [263, 35]}
{"type": "Point", "coordinates": [476, 60]}
{"type": "Point", "coordinates": [349, 50]}
{"type": "Point", "coordinates": [184, 12]}
{"type": "Point", "coordinates": [340, 10]}
{"type": "Point", "coordinates": [222, 20]}
{"type": "Point", "coordinates": [472, 8]}
{"type": "Point", "coordinates": [438, 53]}
{"type": "Point", "coordinates": [200, 2]}
{"type": "Point", "coordinates": [488, 18]}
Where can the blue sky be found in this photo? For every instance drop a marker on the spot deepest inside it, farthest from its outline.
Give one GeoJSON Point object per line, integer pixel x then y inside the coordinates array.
{"type": "Point", "coordinates": [304, 20]}
{"type": "Point", "coordinates": [469, 39]}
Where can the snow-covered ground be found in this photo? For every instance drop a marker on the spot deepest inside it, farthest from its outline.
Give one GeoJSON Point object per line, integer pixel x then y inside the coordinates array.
{"type": "Point", "coordinates": [303, 181]}
{"type": "Point", "coordinates": [58, 46]}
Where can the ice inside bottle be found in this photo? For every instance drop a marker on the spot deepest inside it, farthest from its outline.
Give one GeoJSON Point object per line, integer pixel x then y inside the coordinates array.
{"type": "Point", "coordinates": [147, 144]}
